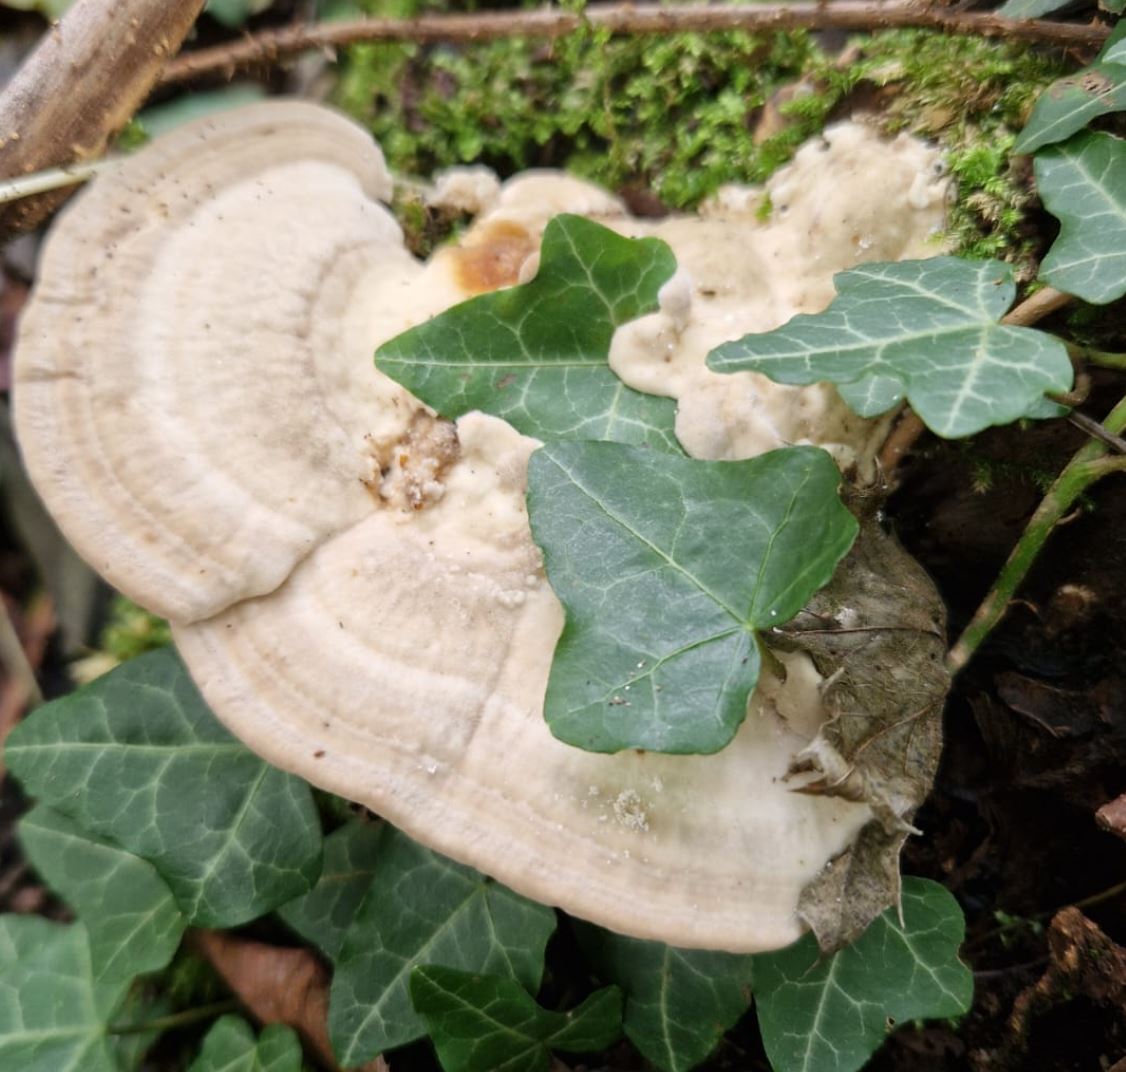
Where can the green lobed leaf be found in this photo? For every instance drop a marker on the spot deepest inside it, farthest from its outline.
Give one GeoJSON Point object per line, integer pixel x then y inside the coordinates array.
{"type": "Point", "coordinates": [52, 9]}
{"type": "Point", "coordinates": [53, 1012]}
{"type": "Point", "coordinates": [678, 1002]}
{"type": "Point", "coordinates": [230, 1046]}
{"type": "Point", "coordinates": [486, 1023]}
{"type": "Point", "coordinates": [188, 107]}
{"type": "Point", "coordinates": [234, 13]}
{"type": "Point", "coordinates": [1030, 9]}
{"type": "Point", "coordinates": [1083, 183]}
{"type": "Point", "coordinates": [137, 757]}
{"type": "Point", "coordinates": [322, 916]}
{"type": "Point", "coordinates": [932, 325]}
{"type": "Point", "coordinates": [536, 354]}
{"type": "Point", "coordinates": [831, 1014]}
{"type": "Point", "coordinates": [1070, 103]}
{"type": "Point", "coordinates": [666, 567]}
{"type": "Point", "coordinates": [129, 912]}
{"type": "Point", "coordinates": [424, 909]}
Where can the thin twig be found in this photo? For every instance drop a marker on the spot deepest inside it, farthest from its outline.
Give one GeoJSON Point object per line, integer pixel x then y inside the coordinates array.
{"type": "Point", "coordinates": [271, 45]}
{"type": "Point", "coordinates": [1097, 431]}
{"type": "Point", "coordinates": [908, 428]}
{"type": "Point", "coordinates": [52, 179]}
{"type": "Point", "coordinates": [1090, 464]}
{"type": "Point", "coordinates": [1044, 302]}
{"type": "Point", "coordinates": [14, 659]}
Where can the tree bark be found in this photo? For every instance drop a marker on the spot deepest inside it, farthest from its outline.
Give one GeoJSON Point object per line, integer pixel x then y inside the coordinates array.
{"type": "Point", "coordinates": [83, 82]}
{"type": "Point", "coordinates": [625, 18]}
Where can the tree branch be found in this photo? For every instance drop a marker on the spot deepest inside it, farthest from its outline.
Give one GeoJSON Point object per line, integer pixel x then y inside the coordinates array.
{"type": "Point", "coordinates": [271, 45]}
{"type": "Point", "coordinates": [88, 75]}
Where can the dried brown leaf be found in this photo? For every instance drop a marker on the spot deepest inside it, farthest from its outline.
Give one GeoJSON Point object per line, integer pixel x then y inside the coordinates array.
{"type": "Point", "coordinates": [877, 634]}
{"type": "Point", "coordinates": [278, 986]}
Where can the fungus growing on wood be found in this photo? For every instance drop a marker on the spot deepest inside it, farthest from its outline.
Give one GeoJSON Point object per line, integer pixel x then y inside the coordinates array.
{"type": "Point", "coordinates": [352, 579]}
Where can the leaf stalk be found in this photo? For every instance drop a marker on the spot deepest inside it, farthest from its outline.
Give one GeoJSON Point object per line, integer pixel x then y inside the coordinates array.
{"type": "Point", "coordinates": [1089, 464]}
{"type": "Point", "coordinates": [175, 1020]}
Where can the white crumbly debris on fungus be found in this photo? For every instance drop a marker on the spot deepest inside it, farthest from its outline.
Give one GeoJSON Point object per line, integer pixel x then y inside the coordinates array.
{"type": "Point", "coordinates": [471, 190]}
{"type": "Point", "coordinates": [381, 624]}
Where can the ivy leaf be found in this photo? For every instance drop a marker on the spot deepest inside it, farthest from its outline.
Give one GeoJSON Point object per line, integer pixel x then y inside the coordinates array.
{"type": "Point", "coordinates": [536, 354]}
{"type": "Point", "coordinates": [831, 1014]}
{"type": "Point", "coordinates": [52, 9]}
{"type": "Point", "coordinates": [127, 908]}
{"type": "Point", "coordinates": [230, 1046]}
{"type": "Point", "coordinates": [932, 325]}
{"type": "Point", "coordinates": [1083, 183]}
{"type": "Point", "coordinates": [678, 1002]}
{"type": "Point", "coordinates": [1030, 9]}
{"type": "Point", "coordinates": [1070, 103]}
{"type": "Point", "coordinates": [234, 13]}
{"type": "Point", "coordinates": [1114, 51]}
{"type": "Point", "coordinates": [484, 1023]}
{"type": "Point", "coordinates": [322, 916]}
{"type": "Point", "coordinates": [666, 567]}
{"type": "Point", "coordinates": [53, 1011]}
{"type": "Point", "coordinates": [137, 757]}
{"type": "Point", "coordinates": [424, 909]}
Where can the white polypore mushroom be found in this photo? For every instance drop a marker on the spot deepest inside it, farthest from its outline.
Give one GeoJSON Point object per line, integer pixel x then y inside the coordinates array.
{"type": "Point", "coordinates": [180, 399]}
{"type": "Point", "coordinates": [353, 586]}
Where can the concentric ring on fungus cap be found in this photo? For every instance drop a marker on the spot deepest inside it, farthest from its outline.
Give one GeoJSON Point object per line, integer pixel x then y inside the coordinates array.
{"type": "Point", "coordinates": [353, 588]}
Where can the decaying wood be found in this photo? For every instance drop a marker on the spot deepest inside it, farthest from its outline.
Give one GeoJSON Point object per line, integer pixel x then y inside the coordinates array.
{"type": "Point", "coordinates": [856, 15]}
{"type": "Point", "coordinates": [89, 74]}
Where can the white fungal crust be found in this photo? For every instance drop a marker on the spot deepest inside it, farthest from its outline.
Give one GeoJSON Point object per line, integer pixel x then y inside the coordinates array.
{"type": "Point", "coordinates": [352, 581]}
{"type": "Point", "coordinates": [847, 198]}
{"type": "Point", "coordinates": [404, 665]}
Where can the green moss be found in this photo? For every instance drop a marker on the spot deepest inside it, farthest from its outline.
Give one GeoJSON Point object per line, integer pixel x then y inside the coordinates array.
{"type": "Point", "coordinates": [131, 631]}
{"type": "Point", "coordinates": [674, 115]}
{"type": "Point", "coordinates": [677, 115]}
{"type": "Point", "coordinates": [972, 96]}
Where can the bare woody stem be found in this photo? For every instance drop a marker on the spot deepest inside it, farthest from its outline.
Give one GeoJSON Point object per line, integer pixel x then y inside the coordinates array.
{"type": "Point", "coordinates": [1090, 463]}
{"type": "Point", "coordinates": [857, 15]}
{"type": "Point", "coordinates": [88, 75]}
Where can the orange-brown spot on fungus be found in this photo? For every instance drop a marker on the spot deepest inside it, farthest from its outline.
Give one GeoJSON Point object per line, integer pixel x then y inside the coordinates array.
{"type": "Point", "coordinates": [494, 258]}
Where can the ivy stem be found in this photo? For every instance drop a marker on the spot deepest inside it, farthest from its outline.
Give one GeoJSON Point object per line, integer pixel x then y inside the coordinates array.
{"type": "Point", "coordinates": [176, 1019]}
{"type": "Point", "coordinates": [1100, 358]}
{"type": "Point", "coordinates": [1089, 464]}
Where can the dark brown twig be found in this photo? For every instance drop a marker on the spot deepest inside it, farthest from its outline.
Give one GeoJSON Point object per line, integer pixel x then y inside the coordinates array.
{"type": "Point", "coordinates": [1097, 431]}
{"type": "Point", "coordinates": [271, 45]}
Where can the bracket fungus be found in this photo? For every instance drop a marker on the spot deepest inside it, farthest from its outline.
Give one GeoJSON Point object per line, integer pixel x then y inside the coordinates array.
{"type": "Point", "coordinates": [352, 580]}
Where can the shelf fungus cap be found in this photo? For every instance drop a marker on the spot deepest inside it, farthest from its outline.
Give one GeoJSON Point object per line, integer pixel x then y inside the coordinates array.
{"type": "Point", "coordinates": [352, 580]}
{"type": "Point", "coordinates": [177, 395]}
